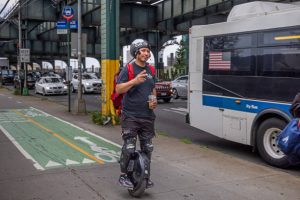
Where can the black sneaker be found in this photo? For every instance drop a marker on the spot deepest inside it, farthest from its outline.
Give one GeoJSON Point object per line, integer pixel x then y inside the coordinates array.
{"type": "Point", "coordinates": [150, 184]}
{"type": "Point", "coordinates": [125, 181]}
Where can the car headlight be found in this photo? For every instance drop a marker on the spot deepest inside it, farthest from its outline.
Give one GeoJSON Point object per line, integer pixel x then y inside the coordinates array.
{"type": "Point", "coordinates": [65, 87]}
{"type": "Point", "coordinates": [47, 88]}
{"type": "Point", "coordinates": [87, 84]}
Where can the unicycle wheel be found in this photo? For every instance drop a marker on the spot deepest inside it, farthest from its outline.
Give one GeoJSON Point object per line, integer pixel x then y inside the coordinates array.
{"type": "Point", "coordinates": [138, 191]}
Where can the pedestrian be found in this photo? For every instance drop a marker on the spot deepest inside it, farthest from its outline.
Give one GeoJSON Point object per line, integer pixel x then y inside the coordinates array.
{"type": "Point", "coordinates": [137, 116]}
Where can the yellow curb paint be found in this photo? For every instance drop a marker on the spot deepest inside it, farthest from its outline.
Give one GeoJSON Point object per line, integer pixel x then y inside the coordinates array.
{"type": "Point", "coordinates": [74, 146]}
{"type": "Point", "coordinates": [108, 69]}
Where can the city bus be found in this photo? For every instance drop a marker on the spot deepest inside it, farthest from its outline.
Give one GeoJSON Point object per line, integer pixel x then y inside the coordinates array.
{"type": "Point", "coordinates": [243, 76]}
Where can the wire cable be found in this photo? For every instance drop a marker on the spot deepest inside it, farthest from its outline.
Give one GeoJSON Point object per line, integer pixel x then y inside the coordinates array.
{"type": "Point", "coordinates": [4, 6]}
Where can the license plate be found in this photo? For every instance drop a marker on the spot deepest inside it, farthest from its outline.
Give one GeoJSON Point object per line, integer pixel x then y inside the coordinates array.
{"type": "Point", "coordinates": [163, 94]}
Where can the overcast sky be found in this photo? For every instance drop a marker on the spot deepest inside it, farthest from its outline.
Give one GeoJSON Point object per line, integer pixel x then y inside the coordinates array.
{"type": "Point", "coordinates": [9, 5]}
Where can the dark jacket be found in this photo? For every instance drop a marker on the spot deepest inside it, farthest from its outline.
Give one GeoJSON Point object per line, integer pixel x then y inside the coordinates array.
{"type": "Point", "coordinates": [295, 107]}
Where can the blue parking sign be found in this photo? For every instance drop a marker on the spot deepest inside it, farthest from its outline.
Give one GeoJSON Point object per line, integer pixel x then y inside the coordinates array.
{"type": "Point", "coordinates": [73, 24]}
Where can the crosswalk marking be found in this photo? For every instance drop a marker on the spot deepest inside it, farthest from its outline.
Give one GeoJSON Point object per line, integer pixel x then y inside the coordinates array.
{"type": "Point", "coordinates": [178, 110]}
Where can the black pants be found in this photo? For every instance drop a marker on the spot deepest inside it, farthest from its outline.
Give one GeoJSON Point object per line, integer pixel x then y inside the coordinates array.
{"type": "Point", "coordinates": [133, 128]}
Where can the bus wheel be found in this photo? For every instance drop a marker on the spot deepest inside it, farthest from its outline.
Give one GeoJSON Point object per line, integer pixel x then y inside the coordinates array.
{"type": "Point", "coordinates": [266, 142]}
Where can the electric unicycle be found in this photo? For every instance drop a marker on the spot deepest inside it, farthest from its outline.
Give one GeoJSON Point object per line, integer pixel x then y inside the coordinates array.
{"type": "Point", "coordinates": [138, 172]}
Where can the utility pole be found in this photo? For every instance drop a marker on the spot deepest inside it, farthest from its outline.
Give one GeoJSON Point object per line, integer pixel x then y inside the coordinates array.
{"type": "Point", "coordinates": [20, 46]}
{"type": "Point", "coordinates": [80, 106]}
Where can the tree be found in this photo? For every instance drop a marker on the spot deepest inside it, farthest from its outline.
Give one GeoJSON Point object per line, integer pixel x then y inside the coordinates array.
{"type": "Point", "coordinates": [180, 64]}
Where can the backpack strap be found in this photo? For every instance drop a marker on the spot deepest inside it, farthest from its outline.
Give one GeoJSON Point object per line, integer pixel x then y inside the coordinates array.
{"type": "Point", "coordinates": [152, 70]}
{"type": "Point", "coordinates": [130, 71]}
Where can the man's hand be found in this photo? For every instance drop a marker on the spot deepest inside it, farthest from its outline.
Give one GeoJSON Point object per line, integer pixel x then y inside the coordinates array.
{"type": "Point", "coordinates": [153, 104]}
{"type": "Point", "coordinates": [140, 78]}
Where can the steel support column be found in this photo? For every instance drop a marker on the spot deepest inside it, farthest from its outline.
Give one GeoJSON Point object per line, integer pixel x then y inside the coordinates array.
{"type": "Point", "coordinates": [109, 52]}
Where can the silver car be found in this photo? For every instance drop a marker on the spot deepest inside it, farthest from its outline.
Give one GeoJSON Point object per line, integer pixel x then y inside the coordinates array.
{"type": "Point", "coordinates": [90, 83]}
{"type": "Point", "coordinates": [50, 85]}
{"type": "Point", "coordinates": [180, 87]}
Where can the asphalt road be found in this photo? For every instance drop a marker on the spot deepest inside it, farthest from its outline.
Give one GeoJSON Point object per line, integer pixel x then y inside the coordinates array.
{"type": "Point", "coordinates": [170, 121]}
{"type": "Point", "coordinates": [181, 171]}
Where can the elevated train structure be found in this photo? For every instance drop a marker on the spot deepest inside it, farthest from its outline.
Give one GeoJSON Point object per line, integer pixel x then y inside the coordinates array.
{"type": "Point", "coordinates": [154, 20]}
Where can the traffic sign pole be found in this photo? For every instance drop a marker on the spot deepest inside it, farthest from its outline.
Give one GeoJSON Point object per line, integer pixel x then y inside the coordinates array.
{"type": "Point", "coordinates": [63, 27]}
{"type": "Point", "coordinates": [69, 63]}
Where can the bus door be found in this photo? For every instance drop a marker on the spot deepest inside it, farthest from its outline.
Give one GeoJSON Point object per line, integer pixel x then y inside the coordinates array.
{"type": "Point", "coordinates": [234, 120]}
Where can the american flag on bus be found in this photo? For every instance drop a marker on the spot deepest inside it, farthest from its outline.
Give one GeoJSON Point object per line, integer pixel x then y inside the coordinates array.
{"type": "Point", "coordinates": [219, 61]}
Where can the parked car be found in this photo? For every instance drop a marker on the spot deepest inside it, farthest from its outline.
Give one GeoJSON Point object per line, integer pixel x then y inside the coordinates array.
{"type": "Point", "coordinates": [50, 85]}
{"type": "Point", "coordinates": [90, 83]}
{"type": "Point", "coordinates": [20, 78]}
{"type": "Point", "coordinates": [180, 86]}
{"type": "Point", "coordinates": [163, 90]}
{"type": "Point", "coordinates": [6, 76]}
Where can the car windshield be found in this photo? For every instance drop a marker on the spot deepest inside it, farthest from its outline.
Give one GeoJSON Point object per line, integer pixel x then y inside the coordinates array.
{"type": "Point", "coordinates": [93, 76]}
{"type": "Point", "coordinates": [10, 72]}
{"type": "Point", "coordinates": [52, 80]}
{"type": "Point", "coordinates": [86, 76]}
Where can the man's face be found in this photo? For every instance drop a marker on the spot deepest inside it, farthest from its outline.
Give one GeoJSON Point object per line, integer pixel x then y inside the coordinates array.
{"type": "Point", "coordinates": [143, 55]}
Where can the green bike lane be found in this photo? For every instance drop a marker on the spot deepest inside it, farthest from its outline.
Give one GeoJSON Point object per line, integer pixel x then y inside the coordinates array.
{"type": "Point", "coordinates": [51, 142]}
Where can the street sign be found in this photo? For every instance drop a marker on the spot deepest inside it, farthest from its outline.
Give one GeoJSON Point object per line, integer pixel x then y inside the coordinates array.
{"type": "Point", "coordinates": [25, 55]}
{"type": "Point", "coordinates": [73, 24]}
{"type": "Point", "coordinates": [68, 13]}
{"type": "Point", "coordinates": [62, 24]}
{"type": "Point", "coordinates": [62, 31]}
{"type": "Point", "coordinates": [74, 44]}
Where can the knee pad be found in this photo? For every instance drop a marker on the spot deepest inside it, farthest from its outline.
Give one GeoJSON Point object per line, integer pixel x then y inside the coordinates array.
{"type": "Point", "coordinates": [147, 147]}
{"type": "Point", "coordinates": [129, 146]}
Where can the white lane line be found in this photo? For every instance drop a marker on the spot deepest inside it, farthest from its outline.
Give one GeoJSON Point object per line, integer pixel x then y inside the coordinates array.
{"type": "Point", "coordinates": [174, 111]}
{"type": "Point", "coordinates": [20, 148]}
{"type": "Point", "coordinates": [10, 97]}
{"type": "Point", "coordinates": [52, 164]}
{"type": "Point", "coordinates": [88, 132]}
{"type": "Point", "coordinates": [180, 109]}
{"type": "Point", "coordinates": [19, 102]}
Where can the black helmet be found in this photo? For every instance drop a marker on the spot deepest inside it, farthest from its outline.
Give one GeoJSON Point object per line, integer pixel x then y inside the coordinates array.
{"type": "Point", "coordinates": [138, 44]}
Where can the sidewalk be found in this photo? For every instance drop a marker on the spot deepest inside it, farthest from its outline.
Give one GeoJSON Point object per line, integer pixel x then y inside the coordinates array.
{"type": "Point", "coordinates": [180, 171]}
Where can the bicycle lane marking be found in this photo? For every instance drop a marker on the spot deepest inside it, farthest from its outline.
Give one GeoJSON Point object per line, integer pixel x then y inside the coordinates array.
{"type": "Point", "coordinates": [66, 144]}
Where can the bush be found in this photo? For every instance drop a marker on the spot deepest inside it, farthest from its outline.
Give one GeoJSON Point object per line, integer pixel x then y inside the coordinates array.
{"type": "Point", "coordinates": [17, 91]}
{"type": "Point", "coordinates": [100, 119]}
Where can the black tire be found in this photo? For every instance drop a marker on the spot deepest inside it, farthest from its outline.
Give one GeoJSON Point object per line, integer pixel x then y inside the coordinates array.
{"type": "Point", "coordinates": [266, 142]}
{"type": "Point", "coordinates": [138, 192]}
{"type": "Point", "coordinates": [167, 100]}
{"type": "Point", "coordinates": [175, 94]}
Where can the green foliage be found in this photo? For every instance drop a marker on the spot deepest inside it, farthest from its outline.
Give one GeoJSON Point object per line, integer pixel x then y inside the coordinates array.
{"type": "Point", "coordinates": [162, 133]}
{"type": "Point", "coordinates": [186, 141]}
{"type": "Point", "coordinates": [180, 64]}
{"type": "Point", "coordinates": [17, 91]}
{"type": "Point", "coordinates": [102, 120]}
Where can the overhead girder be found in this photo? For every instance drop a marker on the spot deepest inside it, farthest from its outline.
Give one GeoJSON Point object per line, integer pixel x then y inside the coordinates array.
{"type": "Point", "coordinates": [170, 18]}
{"type": "Point", "coordinates": [39, 10]}
{"type": "Point", "coordinates": [8, 31]}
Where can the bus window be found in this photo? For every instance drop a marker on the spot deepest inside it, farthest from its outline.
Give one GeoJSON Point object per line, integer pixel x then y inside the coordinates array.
{"type": "Point", "coordinates": [240, 62]}
{"type": "Point", "coordinates": [240, 41]}
{"type": "Point", "coordinates": [279, 61]}
{"type": "Point", "coordinates": [282, 37]}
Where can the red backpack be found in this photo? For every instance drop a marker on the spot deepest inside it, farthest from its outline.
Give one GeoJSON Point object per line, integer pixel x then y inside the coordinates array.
{"type": "Point", "coordinates": [117, 98]}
